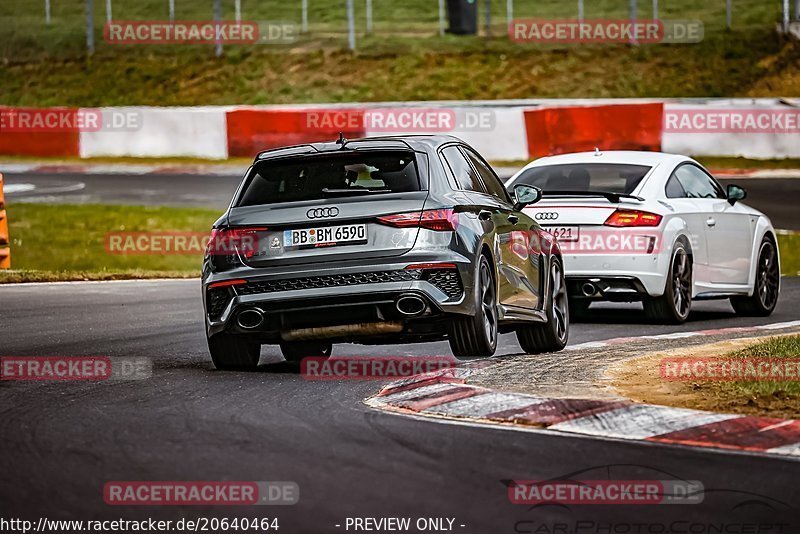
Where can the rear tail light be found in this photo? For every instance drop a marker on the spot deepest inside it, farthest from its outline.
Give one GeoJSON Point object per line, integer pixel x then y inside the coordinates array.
{"type": "Point", "coordinates": [443, 220]}
{"type": "Point", "coordinates": [229, 241]}
{"type": "Point", "coordinates": [630, 218]}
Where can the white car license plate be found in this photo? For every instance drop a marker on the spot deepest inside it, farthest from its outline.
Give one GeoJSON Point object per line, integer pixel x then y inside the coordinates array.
{"type": "Point", "coordinates": [326, 236]}
{"type": "Point", "coordinates": [564, 233]}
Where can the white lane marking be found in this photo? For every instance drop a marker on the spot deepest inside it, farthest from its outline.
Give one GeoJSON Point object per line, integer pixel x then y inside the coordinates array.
{"type": "Point", "coordinates": [786, 450]}
{"type": "Point", "coordinates": [778, 326]}
{"type": "Point", "coordinates": [10, 189]}
{"type": "Point", "coordinates": [640, 421]}
{"type": "Point", "coordinates": [417, 392]}
{"type": "Point", "coordinates": [483, 405]}
{"type": "Point", "coordinates": [78, 282]}
{"type": "Point", "coordinates": [681, 335]}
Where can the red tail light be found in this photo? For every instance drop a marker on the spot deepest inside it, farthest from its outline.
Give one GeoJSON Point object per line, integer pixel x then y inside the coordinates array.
{"type": "Point", "coordinates": [442, 220]}
{"type": "Point", "coordinates": [227, 241]}
{"type": "Point", "coordinates": [625, 218]}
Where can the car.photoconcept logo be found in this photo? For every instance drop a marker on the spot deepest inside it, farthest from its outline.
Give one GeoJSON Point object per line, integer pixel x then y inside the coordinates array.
{"type": "Point", "coordinates": [546, 216]}
{"type": "Point", "coordinates": [322, 213]}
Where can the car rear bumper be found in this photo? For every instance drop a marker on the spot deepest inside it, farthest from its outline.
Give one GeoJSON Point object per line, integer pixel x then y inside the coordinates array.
{"type": "Point", "coordinates": [353, 294]}
{"type": "Point", "coordinates": [617, 276]}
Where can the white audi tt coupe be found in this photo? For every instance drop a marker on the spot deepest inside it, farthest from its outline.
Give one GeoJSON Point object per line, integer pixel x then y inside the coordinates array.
{"type": "Point", "coordinates": [656, 228]}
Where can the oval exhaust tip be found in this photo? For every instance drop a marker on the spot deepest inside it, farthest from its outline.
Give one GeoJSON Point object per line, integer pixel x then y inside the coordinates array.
{"type": "Point", "coordinates": [250, 319]}
{"type": "Point", "coordinates": [411, 305]}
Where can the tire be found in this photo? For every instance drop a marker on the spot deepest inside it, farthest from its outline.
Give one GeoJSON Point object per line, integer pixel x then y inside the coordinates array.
{"type": "Point", "coordinates": [767, 285]}
{"type": "Point", "coordinates": [674, 305]}
{"type": "Point", "coordinates": [476, 336]}
{"type": "Point", "coordinates": [234, 352]}
{"type": "Point", "coordinates": [579, 309]}
{"type": "Point", "coordinates": [551, 336]}
{"type": "Point", "coordinates": [295, 351]}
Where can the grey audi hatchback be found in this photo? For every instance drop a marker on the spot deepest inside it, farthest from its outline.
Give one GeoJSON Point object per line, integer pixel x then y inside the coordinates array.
{"type": "Point", "coordinates": [379, 240]}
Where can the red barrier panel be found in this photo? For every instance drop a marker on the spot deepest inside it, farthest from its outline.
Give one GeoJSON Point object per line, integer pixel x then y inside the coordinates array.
{"type": "Point", "coordinates": [39, 131]}
{"type": "Point", "coordinates": [253, 130]}
{"type": "Point", "coordinates": [608, 127]}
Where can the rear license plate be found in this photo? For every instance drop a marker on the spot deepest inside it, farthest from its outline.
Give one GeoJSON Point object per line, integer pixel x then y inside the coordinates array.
{"type": "Point", "coordinates": [327, 236]}
{"type": "Point", "coordinates": [564, 233]}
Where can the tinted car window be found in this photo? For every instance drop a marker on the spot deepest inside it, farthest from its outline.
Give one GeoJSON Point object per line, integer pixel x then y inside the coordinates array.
{"type": "Point", "coordinates": [318, 177]}
{"type": "Point", "coordinates": [589, 177]}
{"type": "Point", "coordinates": [465, 175]}
{"type": "Point", "coordinates": [697, 183]}
{"type": "Point", "coordinates": [674, 189]}
{"type": "Point", "coordinates": [490, 180]}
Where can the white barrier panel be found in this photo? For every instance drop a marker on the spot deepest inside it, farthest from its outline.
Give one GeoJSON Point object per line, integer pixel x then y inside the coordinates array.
{"type": "Point", "coordinates": [198, 132]}
{"type": "Point", "coordinates": [751, 131]}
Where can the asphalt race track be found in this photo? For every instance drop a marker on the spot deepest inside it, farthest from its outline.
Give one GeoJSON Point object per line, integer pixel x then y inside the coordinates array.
{"type": "Point", "coordinates": [63, 441]}
{"type": "Point", "coordinates": [777, 197]}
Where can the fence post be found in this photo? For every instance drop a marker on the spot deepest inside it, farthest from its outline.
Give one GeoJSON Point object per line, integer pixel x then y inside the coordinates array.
{"type": "Point", "coordinates": [786, 16]}
{"type": "Point", "coordinates": [217, 20]}
{"type": "Point", "coordinates": [108, 11]}
{"type": "Point", "coordinates": [441, 18]}
{"type": "Point", "coordinates": [655, 9]}
{"type": "Point", "coordinates": [729, 13]}
{"type": "Point", "coordinates": [90, 27]}
{"type": "Point", "coordinates": [351, 25]}
{"type": "Point", "coordinates": [304, 22]}
{"type": "Point", "coordinates": [47, 12]}
{"type": "Point", "coordinates": [510, 13]}
{"type": "Point", "coordinates": [580, 10]}
{"type": "Point", "coordinates": [797, 10]}
{"type": "Point", "coordinates": [488, 17]}
{"type": "Point", "coordinates": [171, 10]}
{"type": "Point", "coordinates": [237, 6]}
{"type": "Point", "coordinates": [634, 16]}
{"type": "Point", "coordinates": [369, 16]}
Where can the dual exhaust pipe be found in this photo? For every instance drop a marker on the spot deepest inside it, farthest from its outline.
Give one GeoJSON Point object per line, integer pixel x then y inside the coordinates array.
{"type": "Point", "coordinates": [406, 305]}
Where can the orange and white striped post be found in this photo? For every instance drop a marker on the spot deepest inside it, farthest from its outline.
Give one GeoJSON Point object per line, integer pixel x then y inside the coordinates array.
{"type": "Point", "coordinates": [5, 251]}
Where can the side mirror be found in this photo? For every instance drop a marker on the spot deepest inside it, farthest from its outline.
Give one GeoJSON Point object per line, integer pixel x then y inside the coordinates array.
{"type": "Point", "coordinates": [526, 194]}
{"type": "Point", "coordinates": [735, 193]}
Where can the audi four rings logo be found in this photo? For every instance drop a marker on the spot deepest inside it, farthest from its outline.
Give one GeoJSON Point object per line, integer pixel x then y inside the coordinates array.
{"type": "Point", "coordinates": [546, 216]}
{"type": "Point", "coordinates": [322, 213]}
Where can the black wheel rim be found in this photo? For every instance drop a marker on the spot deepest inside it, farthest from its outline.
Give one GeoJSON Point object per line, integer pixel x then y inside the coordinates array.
{"type": "Point", "coordinates": [488, 304]}
{"type": "Point", "coordinates": [681, 283]}
{"type": "Point", "coordinates": [767, 276]}
{"type": "Point", "coordinates": [560, 301]}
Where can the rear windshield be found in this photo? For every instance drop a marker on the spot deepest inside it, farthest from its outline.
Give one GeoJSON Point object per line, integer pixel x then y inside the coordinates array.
{"type": "Point", "coordinates": [589, 177]}
{"type": "Point", "coordinates": [330, 176]}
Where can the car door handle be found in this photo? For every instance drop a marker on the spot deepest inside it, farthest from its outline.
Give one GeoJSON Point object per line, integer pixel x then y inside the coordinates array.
{"type": "Point", "coordinates": [484, 215]}
{"type": "Point", "coordinates": [513, 219]}
{"type": "Point", "coordinates": [711, 222]}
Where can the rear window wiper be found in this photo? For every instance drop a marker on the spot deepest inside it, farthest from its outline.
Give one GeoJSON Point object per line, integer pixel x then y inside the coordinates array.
{"type": "Point", "coordinates": [345, 191]}
{"type": "Point", "coordinates": [613, 197]}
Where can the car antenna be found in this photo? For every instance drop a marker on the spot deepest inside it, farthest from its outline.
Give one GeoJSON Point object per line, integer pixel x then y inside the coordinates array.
{"type": "Point", "coordinates": [341, 141]}
{"type": "Point", "coordinates": [597, 152]}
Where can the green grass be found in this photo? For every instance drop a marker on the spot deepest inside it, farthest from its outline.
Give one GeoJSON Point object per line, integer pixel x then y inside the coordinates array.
{"type": "Point", "coordinates": [789, 246]}
{"type": "Point", "coordinates": [404, 60]}
{"type": "Point", "coordinates": [778, 399]}
{"type": "Point", "coordinates": [68, 242]}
